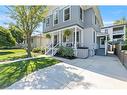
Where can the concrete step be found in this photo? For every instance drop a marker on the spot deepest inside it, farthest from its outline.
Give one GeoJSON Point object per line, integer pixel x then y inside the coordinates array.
{"type": "Point", "coordinates": [100, 52]}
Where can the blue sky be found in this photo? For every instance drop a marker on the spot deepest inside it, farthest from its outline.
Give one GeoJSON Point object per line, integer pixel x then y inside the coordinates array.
{"type": "Point", "coordinates": [108, 13]}
{"type": "Point", "coordinates": [112, 13]}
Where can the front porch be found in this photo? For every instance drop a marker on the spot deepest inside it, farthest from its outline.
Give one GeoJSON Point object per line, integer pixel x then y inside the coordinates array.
{"type": "Point", "coordinates": [74, 40]}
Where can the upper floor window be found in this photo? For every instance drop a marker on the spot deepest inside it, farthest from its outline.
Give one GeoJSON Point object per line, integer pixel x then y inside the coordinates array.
{"type": "Point", "coordinates": [81, 13]}
{"type": "Point", "coordinates": [47, 21]}
{"type": "Point", "coordinates": [66, 14]}
{"type": "Point", "coordinates": [55, 17]}
{"type": "Point", "coordinates": [95, 20]}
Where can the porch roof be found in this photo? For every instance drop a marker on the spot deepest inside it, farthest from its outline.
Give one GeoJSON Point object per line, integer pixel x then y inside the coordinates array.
{"type": "Point", "coordinates": [101, 34]}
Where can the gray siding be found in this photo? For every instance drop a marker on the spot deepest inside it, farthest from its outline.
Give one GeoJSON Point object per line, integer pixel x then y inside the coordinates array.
{"type": "Point", "coordinates": [75, 20]}
{"type": "Point", "coordinates": [88, 20]}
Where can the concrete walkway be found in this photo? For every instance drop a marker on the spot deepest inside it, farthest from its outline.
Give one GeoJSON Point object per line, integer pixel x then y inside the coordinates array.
{"type": "Point", "coordinates": [98, 72]}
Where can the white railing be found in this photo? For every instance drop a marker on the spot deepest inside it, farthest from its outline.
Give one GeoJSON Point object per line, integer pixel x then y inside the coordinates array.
{"type": "Point", "coordinates": [52, 49]}
{"type": "Point", "coordinates": [118, 32]}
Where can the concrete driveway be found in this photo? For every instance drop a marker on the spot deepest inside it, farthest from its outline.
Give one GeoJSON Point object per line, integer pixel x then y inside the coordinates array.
{"type": "Point", "coordinates": [98, 72]}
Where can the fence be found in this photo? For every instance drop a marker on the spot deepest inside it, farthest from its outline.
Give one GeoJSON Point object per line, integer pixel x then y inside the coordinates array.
{"type": "Point", "coordinates": [122, 55]}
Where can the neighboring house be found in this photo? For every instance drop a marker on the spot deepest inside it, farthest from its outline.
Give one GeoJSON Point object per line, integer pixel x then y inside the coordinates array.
{"type": "Point", "coordinates": [116, 34]}
{"type": "Point", "coordinates": [38, 41]}
{"type": "Point", "coordinates": [85, 22]}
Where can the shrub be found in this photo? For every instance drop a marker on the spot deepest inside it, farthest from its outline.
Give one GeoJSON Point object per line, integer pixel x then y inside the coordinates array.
{"type": "Point", "coordinates": [36, 50]}
{"type": "Point", "coordinates": [66, 52]}
{"type": "Point", "coordinates": [124, 47]}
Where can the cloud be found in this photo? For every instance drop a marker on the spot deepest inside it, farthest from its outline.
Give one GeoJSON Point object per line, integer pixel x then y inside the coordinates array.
{"type": "Point", "coordinates": [118, 12]}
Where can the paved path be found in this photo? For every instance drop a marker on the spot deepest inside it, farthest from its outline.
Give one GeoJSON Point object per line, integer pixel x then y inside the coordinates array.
{"type": "Point", "coordinates": [98, 72]}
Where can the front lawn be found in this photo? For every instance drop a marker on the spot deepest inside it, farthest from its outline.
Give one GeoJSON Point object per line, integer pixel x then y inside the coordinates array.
{"type": "Point", "coordinates": [12, 72]}
{"type": "Point", "coordinates": [12, 54]}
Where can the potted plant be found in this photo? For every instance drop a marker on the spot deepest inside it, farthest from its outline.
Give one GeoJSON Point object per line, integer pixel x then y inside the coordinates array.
{"type": "Point", "coordinates": [48, 36]}
{"type": "Point", "coordinates": [67, 33]}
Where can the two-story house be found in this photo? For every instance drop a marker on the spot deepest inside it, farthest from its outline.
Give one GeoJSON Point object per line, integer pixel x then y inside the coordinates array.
{"type": "Point", "coordinates": [116, 34]}
{"type": "Point", "coordinates": [85, 23]}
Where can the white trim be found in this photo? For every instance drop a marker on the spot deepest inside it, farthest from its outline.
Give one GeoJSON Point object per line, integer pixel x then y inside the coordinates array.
{"type": "Point", "coordinates": [63, 13]}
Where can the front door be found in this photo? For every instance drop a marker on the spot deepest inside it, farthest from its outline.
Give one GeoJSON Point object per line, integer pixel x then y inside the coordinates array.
{"type": "Point", "coordinates": [55, 39]}
{"type": "Point", "coordinates": [102, 42]}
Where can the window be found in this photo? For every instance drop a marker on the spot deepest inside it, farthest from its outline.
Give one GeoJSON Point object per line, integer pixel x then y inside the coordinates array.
{"type": "Point", "coordinates": [95, 20]}
{"type": "Point", "coordinates": [55, 17]}
{"type": "Point", "coordinates": [66, 14]}
{"type": "Point", "coordinates": [94, 36]}
{"type": "Point", "coordinates": [77, 36]}
{"type": "Point", "coordinates": [106, 30]}
{"type": "Point", "coordinates": [81, 13]}
{"type": "Point", "coordinates": [47, 21]}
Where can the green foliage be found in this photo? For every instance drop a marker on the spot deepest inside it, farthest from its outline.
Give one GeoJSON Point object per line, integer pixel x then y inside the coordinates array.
{"type": "Point", "coordinates": [66, 52]}
{"type": "Point", "coordinates": [67, 33]}
{"type": "Point", "coordinates": [17, 34]}
{"type": "Point", "coordinates": [36, 50]}
{"type": "Point", "coordinates": [48, 36]}
{"type": "Point", "coordinates": [120, 21]}
{"type": "Point", "coordinates": [6, 38]}
{"type": "Point", "coordinates": [124, 47]}
{"type": "Point", "coordinates": [27, 19]}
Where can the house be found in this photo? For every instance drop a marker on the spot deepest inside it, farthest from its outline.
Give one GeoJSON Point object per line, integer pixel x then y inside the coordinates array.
{"type": "Point", "coordinates": [37, 41]}
{"type": "Point", "coordinates": [85, 23]}
{"type": "Point", "coordinates": [116, 33]}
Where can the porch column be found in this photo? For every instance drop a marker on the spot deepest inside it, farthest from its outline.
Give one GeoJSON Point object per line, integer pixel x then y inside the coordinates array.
{"type": "Point", "coordinates": [106, 45]}
{"type": "Point", "coordinates": [75, 41]}
{"type": "Point", "coordinates": [82, 38]}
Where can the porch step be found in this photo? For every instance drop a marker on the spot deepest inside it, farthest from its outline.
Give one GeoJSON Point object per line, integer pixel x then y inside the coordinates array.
{"type": "Point", "coordinates": [100, 52]}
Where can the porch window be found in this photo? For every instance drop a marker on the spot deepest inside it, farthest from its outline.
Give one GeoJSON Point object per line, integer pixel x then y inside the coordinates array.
{"type": "Point", "coordinates": [66, 14]}
{"type": "Point", "coordinates": [55, 17]}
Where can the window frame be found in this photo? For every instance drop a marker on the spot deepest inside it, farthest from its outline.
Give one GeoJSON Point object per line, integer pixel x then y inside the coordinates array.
{"type": "Point", "coordinates": [64, 14]}
{"type": "Point", "coordinates": [56, 12]}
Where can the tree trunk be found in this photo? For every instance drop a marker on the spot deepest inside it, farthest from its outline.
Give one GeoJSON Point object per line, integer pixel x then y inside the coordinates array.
{"type": "Point", "coordinates": [28, 45]}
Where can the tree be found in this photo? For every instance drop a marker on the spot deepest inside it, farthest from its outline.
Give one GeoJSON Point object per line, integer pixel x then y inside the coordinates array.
{"type": "Point", "coordinates": [27, 20]}
{"type": "Point", "coordinates": [6, 39]}
{"type": "Point", "coordinates": [17, 34]}
{"type": "Point", "coordinates": [121, 21]}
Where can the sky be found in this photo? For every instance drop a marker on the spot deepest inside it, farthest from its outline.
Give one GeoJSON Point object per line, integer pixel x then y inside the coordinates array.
{"type": "Point", "coordinates": [109, 14]}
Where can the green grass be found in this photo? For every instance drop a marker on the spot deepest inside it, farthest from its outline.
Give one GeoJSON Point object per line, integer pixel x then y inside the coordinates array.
{"type": "Point", "coordinates": [12, 54]}
{"type": "Point", "coordinates": [12, 72]}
